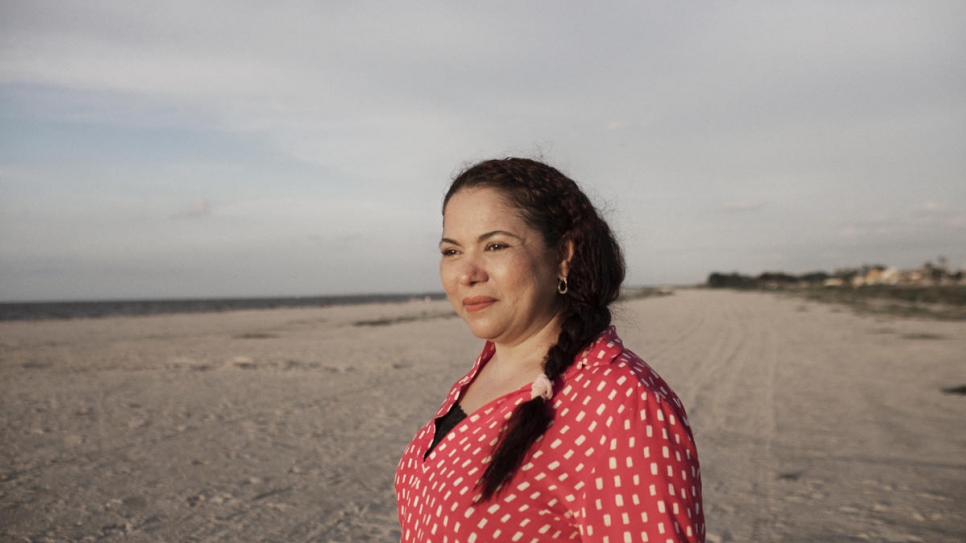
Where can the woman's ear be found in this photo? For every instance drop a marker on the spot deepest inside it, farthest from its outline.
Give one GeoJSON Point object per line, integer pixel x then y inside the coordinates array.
{"type": "Point", "coordinates": [566, 255]}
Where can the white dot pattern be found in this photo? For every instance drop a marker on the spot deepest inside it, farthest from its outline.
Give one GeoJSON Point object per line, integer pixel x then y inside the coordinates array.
{"type": "Point", "coordinates": [618, 463]}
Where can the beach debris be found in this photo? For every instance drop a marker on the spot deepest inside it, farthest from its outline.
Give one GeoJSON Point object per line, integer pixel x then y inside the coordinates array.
{"type": "Point", "coordinates": [256, 335]}
{"type": "Point", "coordinates": [243, 362]}
{"type": "Point", "coordinates": [791, 475]}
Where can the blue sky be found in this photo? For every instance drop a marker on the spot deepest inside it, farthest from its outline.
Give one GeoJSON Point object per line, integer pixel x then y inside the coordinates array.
{"type": "Point", "coordinates": [201, 149]}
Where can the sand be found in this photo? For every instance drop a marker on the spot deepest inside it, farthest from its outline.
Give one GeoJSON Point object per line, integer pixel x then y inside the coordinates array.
{"type": "Point", "coordinates": [813, 423]}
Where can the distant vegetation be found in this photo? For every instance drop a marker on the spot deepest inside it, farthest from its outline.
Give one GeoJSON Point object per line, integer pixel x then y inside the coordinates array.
{"type": "Point", "coordinates": [927, 275]}
{"type": "Point", "coordinates": [932, 290]}
{"type": "Point", "coordinates": [635, 293]}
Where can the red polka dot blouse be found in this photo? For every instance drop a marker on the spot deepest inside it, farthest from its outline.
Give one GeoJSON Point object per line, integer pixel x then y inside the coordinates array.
{"type": "Point", "coordinates": [618, 463]}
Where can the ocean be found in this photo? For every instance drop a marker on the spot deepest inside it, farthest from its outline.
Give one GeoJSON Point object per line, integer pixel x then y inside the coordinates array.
{"type": "Point", "coordinates": [14, 311]}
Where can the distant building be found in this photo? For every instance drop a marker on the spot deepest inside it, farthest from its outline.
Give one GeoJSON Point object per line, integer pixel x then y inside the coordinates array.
{"type": "Point", "coordinates": [928, 274]}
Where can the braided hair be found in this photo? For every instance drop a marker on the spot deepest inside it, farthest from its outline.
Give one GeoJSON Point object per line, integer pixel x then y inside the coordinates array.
{"type": "Point", "coordinates": [551, 203]}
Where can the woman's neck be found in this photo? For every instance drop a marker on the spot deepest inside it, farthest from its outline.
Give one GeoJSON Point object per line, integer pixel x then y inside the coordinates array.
{"type": "Point", "coordinates": [526, 356]}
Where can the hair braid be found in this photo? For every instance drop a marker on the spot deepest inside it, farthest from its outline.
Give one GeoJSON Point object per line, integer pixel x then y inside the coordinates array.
{"type": "Point", "coordinates": [553, 204]}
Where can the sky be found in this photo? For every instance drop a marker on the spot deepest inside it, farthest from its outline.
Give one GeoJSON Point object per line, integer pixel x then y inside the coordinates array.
{"type": "Point", "coordinates": [240, 148]}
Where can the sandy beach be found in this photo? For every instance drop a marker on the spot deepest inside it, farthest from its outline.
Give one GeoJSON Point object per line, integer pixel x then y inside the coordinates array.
{"type": "Point", "coordinates": [813, 423]}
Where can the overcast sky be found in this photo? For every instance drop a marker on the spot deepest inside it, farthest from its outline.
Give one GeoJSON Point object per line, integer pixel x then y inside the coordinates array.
{"type": "Point", "coordinates": [209, 149]}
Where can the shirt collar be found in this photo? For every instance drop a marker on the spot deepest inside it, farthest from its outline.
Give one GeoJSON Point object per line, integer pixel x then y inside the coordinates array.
{"type": "Point", "coordinates": [602, 351]}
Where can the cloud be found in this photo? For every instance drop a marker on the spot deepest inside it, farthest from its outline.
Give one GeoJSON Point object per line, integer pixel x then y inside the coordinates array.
{"type": "Point", "coordinates": [616, 125]}
{"type": "Point", "coordinates": [744, 207]}
{"type": "Point", "coordinates": [196, 210]}
{"type": "Point", "coordinates": [440, 78]}
{"type": "Point", "coordinates": [347, 119]}
{"type": "Point", "coordinates": [931, 207]}
{"type": "Point", "coordinates": [928, 220]}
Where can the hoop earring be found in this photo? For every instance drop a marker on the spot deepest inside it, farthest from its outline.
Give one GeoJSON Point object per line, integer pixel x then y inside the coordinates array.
{"type": "Point", "coordinates": [562, 286]}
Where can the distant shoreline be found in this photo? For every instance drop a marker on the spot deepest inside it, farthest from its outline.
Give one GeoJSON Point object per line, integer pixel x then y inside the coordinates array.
{"type": "Point", "coordinates": [31, 311]}
{"type": "Point", "coordinates": [94, 309]}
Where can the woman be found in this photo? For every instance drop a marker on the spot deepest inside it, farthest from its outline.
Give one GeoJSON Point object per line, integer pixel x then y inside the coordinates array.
{"type": "Point", "coordinates": [558, 432]}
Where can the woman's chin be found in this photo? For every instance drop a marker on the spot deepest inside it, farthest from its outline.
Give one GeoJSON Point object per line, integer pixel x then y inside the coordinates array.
{"type": "Point", "coordinates": [480, 329]}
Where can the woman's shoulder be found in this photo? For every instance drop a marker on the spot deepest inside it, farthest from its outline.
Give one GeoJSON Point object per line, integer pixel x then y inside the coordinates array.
{"type": "Point", "coordinates": [610, 375]}
{"type": "Point", "coordinates": [606, 359]}
{"type": "Point", "coordinates": [624, 376]}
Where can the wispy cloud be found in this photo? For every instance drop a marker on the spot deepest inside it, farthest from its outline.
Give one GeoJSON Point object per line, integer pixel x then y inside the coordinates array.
{"type": "Point", "coordinates": [744, 206]}
{"type": "Point", "coordinates": [347, 119]}
{"type": "Point", "coordinates": [196, 210]}
{"type": "Point", "coordinates": [928, 219]}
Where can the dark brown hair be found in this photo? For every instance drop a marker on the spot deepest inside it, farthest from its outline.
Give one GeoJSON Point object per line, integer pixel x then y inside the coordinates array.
{"type": "Point", "coordinates": [551, 203]}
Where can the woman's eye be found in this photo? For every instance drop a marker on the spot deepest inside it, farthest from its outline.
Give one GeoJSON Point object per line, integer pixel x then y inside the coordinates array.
{"type": "Point", "coordinates": [495, 246]}
{"type": "Point", "coordinates": [448, 252]}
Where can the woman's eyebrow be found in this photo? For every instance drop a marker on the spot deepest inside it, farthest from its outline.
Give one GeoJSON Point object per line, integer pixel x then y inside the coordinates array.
{"type": "Point", "coordinates": [489, 235]}
{"type": "Point", "coordinates": [483, 237]}
{"type": "Point", "coordinates": [450, 241]}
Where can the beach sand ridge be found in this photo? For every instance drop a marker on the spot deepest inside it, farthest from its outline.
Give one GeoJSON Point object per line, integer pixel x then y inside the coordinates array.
{"type": "Point", "coordinates": [813, 423]}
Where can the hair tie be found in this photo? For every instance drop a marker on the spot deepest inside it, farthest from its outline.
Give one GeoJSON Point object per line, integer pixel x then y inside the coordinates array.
{"type": "Point", "coordinates": [542, 388]}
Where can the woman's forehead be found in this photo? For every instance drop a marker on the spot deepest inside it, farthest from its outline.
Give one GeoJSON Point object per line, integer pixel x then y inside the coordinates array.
{"type": "Point", "coordinates": [480, 208]}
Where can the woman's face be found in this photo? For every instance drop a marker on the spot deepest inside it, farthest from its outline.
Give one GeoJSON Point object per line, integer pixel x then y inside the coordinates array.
{"type": "Point", "coordinates": [497, 271]}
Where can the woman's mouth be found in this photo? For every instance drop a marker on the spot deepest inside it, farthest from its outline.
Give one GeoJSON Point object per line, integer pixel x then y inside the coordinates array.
{"type": "Point", "coordinates": [477, 303]}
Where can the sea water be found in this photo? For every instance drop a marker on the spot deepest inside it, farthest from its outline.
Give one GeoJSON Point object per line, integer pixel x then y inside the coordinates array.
{"type": "Point", "coordinates": [95, 309]}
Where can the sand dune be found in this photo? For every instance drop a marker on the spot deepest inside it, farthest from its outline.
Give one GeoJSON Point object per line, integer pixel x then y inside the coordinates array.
{"type": "Point", "coordinates": [813, 424]}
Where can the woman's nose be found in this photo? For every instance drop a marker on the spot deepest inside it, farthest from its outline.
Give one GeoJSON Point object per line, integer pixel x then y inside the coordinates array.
{"type": "Point", "coordinates": [472, 271]}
